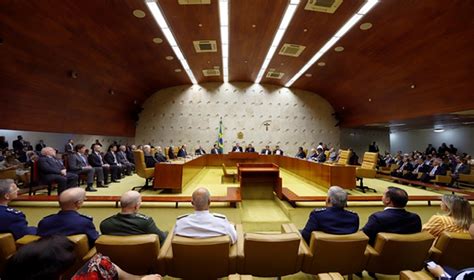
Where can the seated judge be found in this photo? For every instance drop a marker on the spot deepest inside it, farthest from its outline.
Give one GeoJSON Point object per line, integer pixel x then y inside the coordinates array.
{"type": "Point", "coordinates": [333, 219]}
{"type": "Point", "coordinates": [150, 160]}
{"type": "Point", "coordinates": [171, 154]}
{"type": "Point", "coordinates": [266, 151]}
{"type": "Point", "coordinates": [320, 156]}
{"type": "Point", "coordinates": [277, 151]}
{"type": "Point", "coordinates": [199, 151]}
{"type": "Point", "coordinates": [237, 148]}
{"type": "Point", "coordinates": [250, 149]}
{"type": "Point", "coordinates": [52, 170]}
{"type": "Point", "coordinates": [301, 153]}
{"type": "Point", "coordinates": [215, 150]}
{"type": "Point", "coordinates": [159, 156]}
{"type": "Point", "coordinates": [182, 151]}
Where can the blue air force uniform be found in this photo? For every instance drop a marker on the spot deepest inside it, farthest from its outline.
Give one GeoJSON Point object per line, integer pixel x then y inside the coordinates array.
{"type": "Point", "coordinates": [333, 220]}
{"type": "Point", "coordinates": [14, 221]}
{"type": "Point", "coordinates": [68, 223]}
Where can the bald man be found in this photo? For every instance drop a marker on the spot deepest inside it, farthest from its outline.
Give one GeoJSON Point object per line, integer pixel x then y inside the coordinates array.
{"type": "Point", "coordinates": [129, 221]}
{"type": "Point", "coordinates": [203, 224]}
{"type": "Point", "coordinates": [52, 170]}
{"type": "Point", "coordinates": [68, 221]}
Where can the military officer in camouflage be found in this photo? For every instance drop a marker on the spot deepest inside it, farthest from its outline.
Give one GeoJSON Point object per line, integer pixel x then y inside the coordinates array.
{"type": "Point", "coordinates": [333, 219]}
{"type": "Point", "coordinates": [68, 221]}
{"type": "Point", "coordinates": [12, 220]}
{"type": "Point", "coordinates": [129, 221]}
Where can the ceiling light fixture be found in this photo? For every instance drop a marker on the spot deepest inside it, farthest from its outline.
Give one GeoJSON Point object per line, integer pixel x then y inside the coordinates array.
{"type": "Point", "coordinates": [224, 22]}
{"type": "Point", "coordinates": [290, 11]}
{"type": "Point", "coordinates": [369, 4]}
{"type": "Point", "coordinates": [159, 18]}
{"type": "Point", "coordinates": [438, 130]}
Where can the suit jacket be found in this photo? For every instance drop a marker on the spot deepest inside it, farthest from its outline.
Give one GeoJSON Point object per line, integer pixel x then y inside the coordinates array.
{"type": "Point", "coordinates": [121, 157]}
{"type": "Point", "coordinates": [200, 152]}
{"type": "Point", "coordinates": [160, 157]}
{"type": "Point", "coordinates": [110, 159]}
{"type": "Point", "coordinates": [76, 162]}
{"type": "Point", "coordinates": [463, 169]}
{"type": "Point", "coordinates": [214, 151]}
{"type": "Point", "coordinates": [130, 156]}
{"type": "Point", "coordinates": [275, 152]}
{"type": "Point", "coordinates": [69, 148]}
{"type": "Point", "coordinates": [182, 153]}
{"type": "Point", "coordinates": [239, 149]}
{"type": "Point", "coordinates": [171, 154]}
{"type": "Point", "coordinates": [250, 150]}
{"type": "Point", "coordinates": [331, 220]}
{"type": "Point", "coordinates": [49, 165]}
{"type": "Point", "coordinates": [321, 157]}
{"type": "Point", "coordinates": [392, 220]}
{"type": "Point", "coordinates": [439, 171]}
{"type": "Point", "coordinates": [150, 161]}
{"type": "Point", "coordinates": [39, 147]}
{"type": "Point", "coordinates": [95, 160]}
{"type": "Point", "coordinates": [301, 154]}
{"type": "Point", "coordinates": [18, 145]}
{"type": "Point", "coordinates": [266, 152]}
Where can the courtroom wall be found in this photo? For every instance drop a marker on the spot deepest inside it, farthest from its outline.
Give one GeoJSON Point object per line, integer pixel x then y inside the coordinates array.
{"type": "Point", "coordinates": [251, 113]}
{"type": "Point", "coordinates": [360, 139]}
{"type": "Point", "coordinates": [59, 140]}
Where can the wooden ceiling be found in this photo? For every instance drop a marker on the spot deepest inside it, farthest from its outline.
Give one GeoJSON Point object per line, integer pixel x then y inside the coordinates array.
{"type": "Point", "coordinates": [416, 61]}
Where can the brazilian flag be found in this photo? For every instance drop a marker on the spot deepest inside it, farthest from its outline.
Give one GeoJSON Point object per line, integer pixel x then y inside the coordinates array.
{"type": "Point", "coordinates": [220, 140]}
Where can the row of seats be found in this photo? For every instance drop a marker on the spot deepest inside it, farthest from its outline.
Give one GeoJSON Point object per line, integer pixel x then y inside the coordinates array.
{"type": "Point", "coordinates": [269, 255]}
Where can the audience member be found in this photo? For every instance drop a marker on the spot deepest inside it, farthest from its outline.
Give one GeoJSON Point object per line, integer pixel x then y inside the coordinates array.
{"type": "Point", "coordinates": [3, 143]}
{"type": "Point", "coordinates": [12, 220]}
{"type": "Point", "coordinates": [129, 221]}
{"type": "Point", "coordinates": [394, 218]}
{"type": "Point", "coordinates": [300, 154]}
{"type": "Point", "coordinates": [95, 160]}
{"type": "Point", "coordinates": [69, 147]}
{"type": "Point", "coordinates": [111, 159]}
{"type": "Point", "coordinates": [77, 164]}
{"type": "Point", "coordinates": [437, 169]}
{"type": "Point", "coordinates": [373, 148]}
{"type": "Point", "coordinates": [333, 219]}
{"type": "Point", "coordinates": [182, 153]}
{"type": "Point", "coordinates": [52, 257]}
{"type": "Point", "coordinates": [277, 151]}
{"type": "Point", "coordinates": [52, 170]}
{"type": "Point", "coordinates": [458, 216]}
{"type": "Point", "coordinates": [442, 149]}
{"type": "Point", "coordinates": [430, 150]}
{"type": "Point", "coordinates": [405, 167]}
{"type": "Point", "coordinates": [461, 168]}
{"type": "Point", "coordinates": [40, 146]}
{"type": "Point", "coordinates": [419, 168]}
{"type": "Point", "coordinates": [68, 221]}
{"type": "Point", "coordinates": [266, 151]}
{"type": "Point", "coordinates": [203, 224]}
{"type": "Point", "coordinates": [18, 144]}
{"type": "Point", "coordinates": [199, 151]}
{"type": "Point", "coordinates": [237, 148]}
{"type": "Point", "coordinates": [22, 173]}
{"type": "Point", "coordinates": [122, 159]}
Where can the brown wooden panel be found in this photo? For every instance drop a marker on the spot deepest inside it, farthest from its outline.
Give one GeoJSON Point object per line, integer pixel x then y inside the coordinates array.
{"type": "Point", "coordinates": [249, 45]}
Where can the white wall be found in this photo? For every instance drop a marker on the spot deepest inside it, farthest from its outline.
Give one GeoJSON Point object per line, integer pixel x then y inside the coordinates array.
{"type": "Point", "coordinates": [190, 115]}
{"type": "Point", "coordinates": [360, 139]}
{"type": "Point", "coordinates": [59, 140]}
{"type": "Point", "coordinates": [462, 138]}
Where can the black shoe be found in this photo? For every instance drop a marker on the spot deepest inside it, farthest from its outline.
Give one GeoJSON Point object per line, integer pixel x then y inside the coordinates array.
{"type": "Point", "coordinates": [102, 186]}
{"type": "Point", "coordinates": [115, 181]}
{"type": "Point", "coordinates": [90, 189]}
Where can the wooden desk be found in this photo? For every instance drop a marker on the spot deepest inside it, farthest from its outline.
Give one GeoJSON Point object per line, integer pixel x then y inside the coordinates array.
{"type": "Point", "coordinates": [267, 175]}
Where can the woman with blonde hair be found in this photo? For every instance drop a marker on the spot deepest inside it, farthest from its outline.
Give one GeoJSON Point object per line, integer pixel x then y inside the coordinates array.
{"type": "Point", "coordinates": [457, 219]}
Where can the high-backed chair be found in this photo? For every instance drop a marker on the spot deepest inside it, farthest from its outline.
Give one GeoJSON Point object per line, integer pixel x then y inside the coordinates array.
{"type": "Point", "coordinates": [455, 250]}
{"type": "Point", "coordinates": [442, 179]}
{"type": "Point", "coordinates": [393, 253]}
{"type": "Point", "coordinates": [270, 255]}
{"type": "Point", "coordinates": [136, 254]}
{"type": "Point", "coordinates": [415, 275]}
{"type": "Point", "coordinates": [7, 249]}
{"type": "Point", "coordinates": [336, 253]}
{"type": "Point", "coordinates": [200, 258]}
{"type": "Point", "coordinates": [142, 170]}
{"type": "Point", "coordinates": [467, 178]}
{"type": "Point", "coordinates": [368, 169]}
{"type": "Point", "coordinates": [231, 175]}
{"type": "Point", "coordinates": [344, 156]}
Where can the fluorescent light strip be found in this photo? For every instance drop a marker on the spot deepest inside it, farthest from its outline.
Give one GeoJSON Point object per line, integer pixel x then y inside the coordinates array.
{"type": "Point", "coordinates": [341, 32]}
{"type": "Point", "coordinates": [224, 21]}
{"type": "Point", "coordinates": [160, 19]}
{"type": "Point", "coordinates": [290, 11]}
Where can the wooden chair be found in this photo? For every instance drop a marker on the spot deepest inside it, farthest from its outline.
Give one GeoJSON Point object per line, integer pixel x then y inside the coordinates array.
{"type": "Point", "coordinates": [368, 169]}
{"type": "Point", "coordinates": [142, 170]}
{"type": "Point", "coordinates": [226, 174]}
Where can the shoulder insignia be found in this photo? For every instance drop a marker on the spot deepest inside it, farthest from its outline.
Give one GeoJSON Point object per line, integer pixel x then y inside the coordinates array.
{"type": "Point", "coordinates": [319, 210]}
{"type": "Point", "coordinates": [182, 216]}
{"type": "Point", "coordinates": [219, 216]}
{"type": "Point", "coordinates": [352, 212]}
{"type": "Point", "coordinates": [145, 217]}
{"type": "Point", "coordinates": [86, 216]}
{"type": "Point", "coordinates": [13, 211]}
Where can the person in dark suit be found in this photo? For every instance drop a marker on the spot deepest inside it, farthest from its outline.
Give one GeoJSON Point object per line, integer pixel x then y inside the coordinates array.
{"type": "Point", "coordinates": [277, 151]}
{"type": "Point", "coordinates": [68, 221]}
{"type": "Point", "coordinates": [462, 167]}
{"type": "Point", "coordinates": [3, 143]}
{"type": "Point", "coordinates": [11, 220]}
{"type": "Point", "coordinates": [237, 148]}
{"type": "Point", "coordinates": [333, 219]}
{"type": "Point", "coordinates": [52, 170]}
{"type": "Point", "coordinates": [18, 144]}
{"type": "Point", "coordinates": [182, 151]}
{"type": "Point", "coordinates": [111, 159]}
{"type": "Point", "coordinates": [300, 154]}
{"type": "Point", "coordinates": [437, 169]}
{"type": "Point", "coordinates": [321, 156]}
{"type": "Point", "coordinates": [394, 218]}
{"type": "Point", "coordinates": [266, 151]}
{"type": "Point", "coordinates": [95, 160]}
{"type": "Point", "coordinates": [420, 167]}
{"type": "Point", "coordinates": [40, 146]}
{"type": "Point", "coordinates": [406, 166]}
{"type": "Point", "coordinates": [150, 160]}
{"type": "Point", "coordinates": [69, 147]}
{"type": "Point", "coordinates": [250, 149]}
{"type": "Point", "coordinates": [215, 150]}
{"type": "Point", "coordinates": [78, 164]}
{"type": "Point", "coordinates": [373, 148]}
{"type": "Point", "coordinates": [199, 151]}
{"type": "Point", "coordinates": [171, 154]}
{"type": "Point", "coordinates": [159, 156]}
{"type": "Point", "coordinates": [122, 159]}
{"type": "Point", "coordinates": [430, 150]}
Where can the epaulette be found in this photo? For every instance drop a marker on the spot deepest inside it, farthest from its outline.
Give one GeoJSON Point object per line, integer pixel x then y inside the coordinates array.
{"type": "Point", "coordinates": [86, 216]}
{"type": "Point", "coordinates": [182, 216]}
{"type": "Point", "coordinates": [319, 210]}
{"type": "Point", "coordinates": [13, 211]}
{"type": "Point", "coordinates": [219, 216]}
{"type": "Point", "coordinates": [352, 212]}
{"type": "Point", "coordinates": [145, 217]}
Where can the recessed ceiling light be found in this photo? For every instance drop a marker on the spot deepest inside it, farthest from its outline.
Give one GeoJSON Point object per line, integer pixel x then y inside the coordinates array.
{"type": "Point", "coordinates": [370, 99]}
{"type": "Point", "coordinates": [343, 108]}
{"type": "Point", "coordinates": [365, 26]}
{"type": "Point", "coordinates": [468, 123]}
{"type": "Point", "coordinates": [177, 70]}
{"type": "Point", "coordinates": [200, 25]}
{"type": "Point", "coordinates": [157, 40]}
{"type": "Point", "coordinates": [253, 25]}
{"type": "Point", "coordinates": [169, 57]}
{"type": "Point", "coordinates": [139, 13]}
{"type": "Point", "coordinates": [308, 75]}
{"type": "Point", "coordinates": [73, 74]}
{"type": "Point", "coordinates": [339, 49]}
{"type": "Point", "coordinates": [438, 130]}
{"type": "Point", "coordinates": [321, 63]}
{"type": "Point", "coordinates": [224, 26]}
{"type": "Point", "coordinates": [245, 61]}
{"type": "Point", "coordinates": [413, 86]}
{"type": "Point", "coordinates": [135, 102]}
{"type": "Point", "coordinates": [282, 64]}
{"type": "Point", "coordinates": [111, 92]}
{"type": "Point", "coordinates": [305, 30]}
{"type": "Point", "coordinates": [208, 62]}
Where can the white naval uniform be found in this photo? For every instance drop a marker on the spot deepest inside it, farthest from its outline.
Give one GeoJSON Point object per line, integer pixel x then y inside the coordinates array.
{"type": "Point", "coordinates": [203, 224]}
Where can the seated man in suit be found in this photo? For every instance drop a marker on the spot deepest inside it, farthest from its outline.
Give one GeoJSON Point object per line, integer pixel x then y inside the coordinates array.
{"type": "Point", "coordinates": [406, 166]}
{"type": "Point", "coordinates": [77, 163]}
{"type": "Point", "coordinates": [250, 149]}
{"type": "Point", "coordinates": [420, 167]}
{"type": "Point", "coordinates": [312, 155]}
{"type": "Point", "coordinates": [277, 151]}
{"type": "Point", "coordinates": [129, 221]}
{"type": "Point", "coordinates": [68, 221]}
{"type": "Point", "coordinates": [266, 151]}
{"type": "Point", "coordinates": [171, 154]}
{"type": "Point", "coordinates": [150, 160]}
{"type": "Point", "coordinates": [129, 153]}
{"type": "Point", "coordinates": [11, 220]}
{"type": "Point", "coordinates": [394, 218]}
{"type": "Point", "coordinates": [237, 148]}
{"type": "Point", "coordinates": [461, 168]}
{"type": "Point", "coordinates": [321, 156]}
{"type": "Point", "coordinates": [182, 151]}
{"type": "Point", "coordinates": [333, 219]}
{"type": "Point", "coordinates": [437, 169]}
{"type": "Point", "coordinates": [122, 159]}
{"type": "Point", "coordinates": [215, 150]}
{"type": "Point", "coordinates": [52, 170]}
{"type": "Point", "coordinates": [69, 147]}
{"type": "Point", "coordinates": [203, 224]}
{"type": "Point", "coordinates": [111, 159]}
{"type": "Point", "coordinates": [199, 151]}
{"type": "Point", "coordinates": [159, 156]}
{"type": "Point", "coordinates": [300, 153]}
{"type": "Point", "coordinates": [95, 160]}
